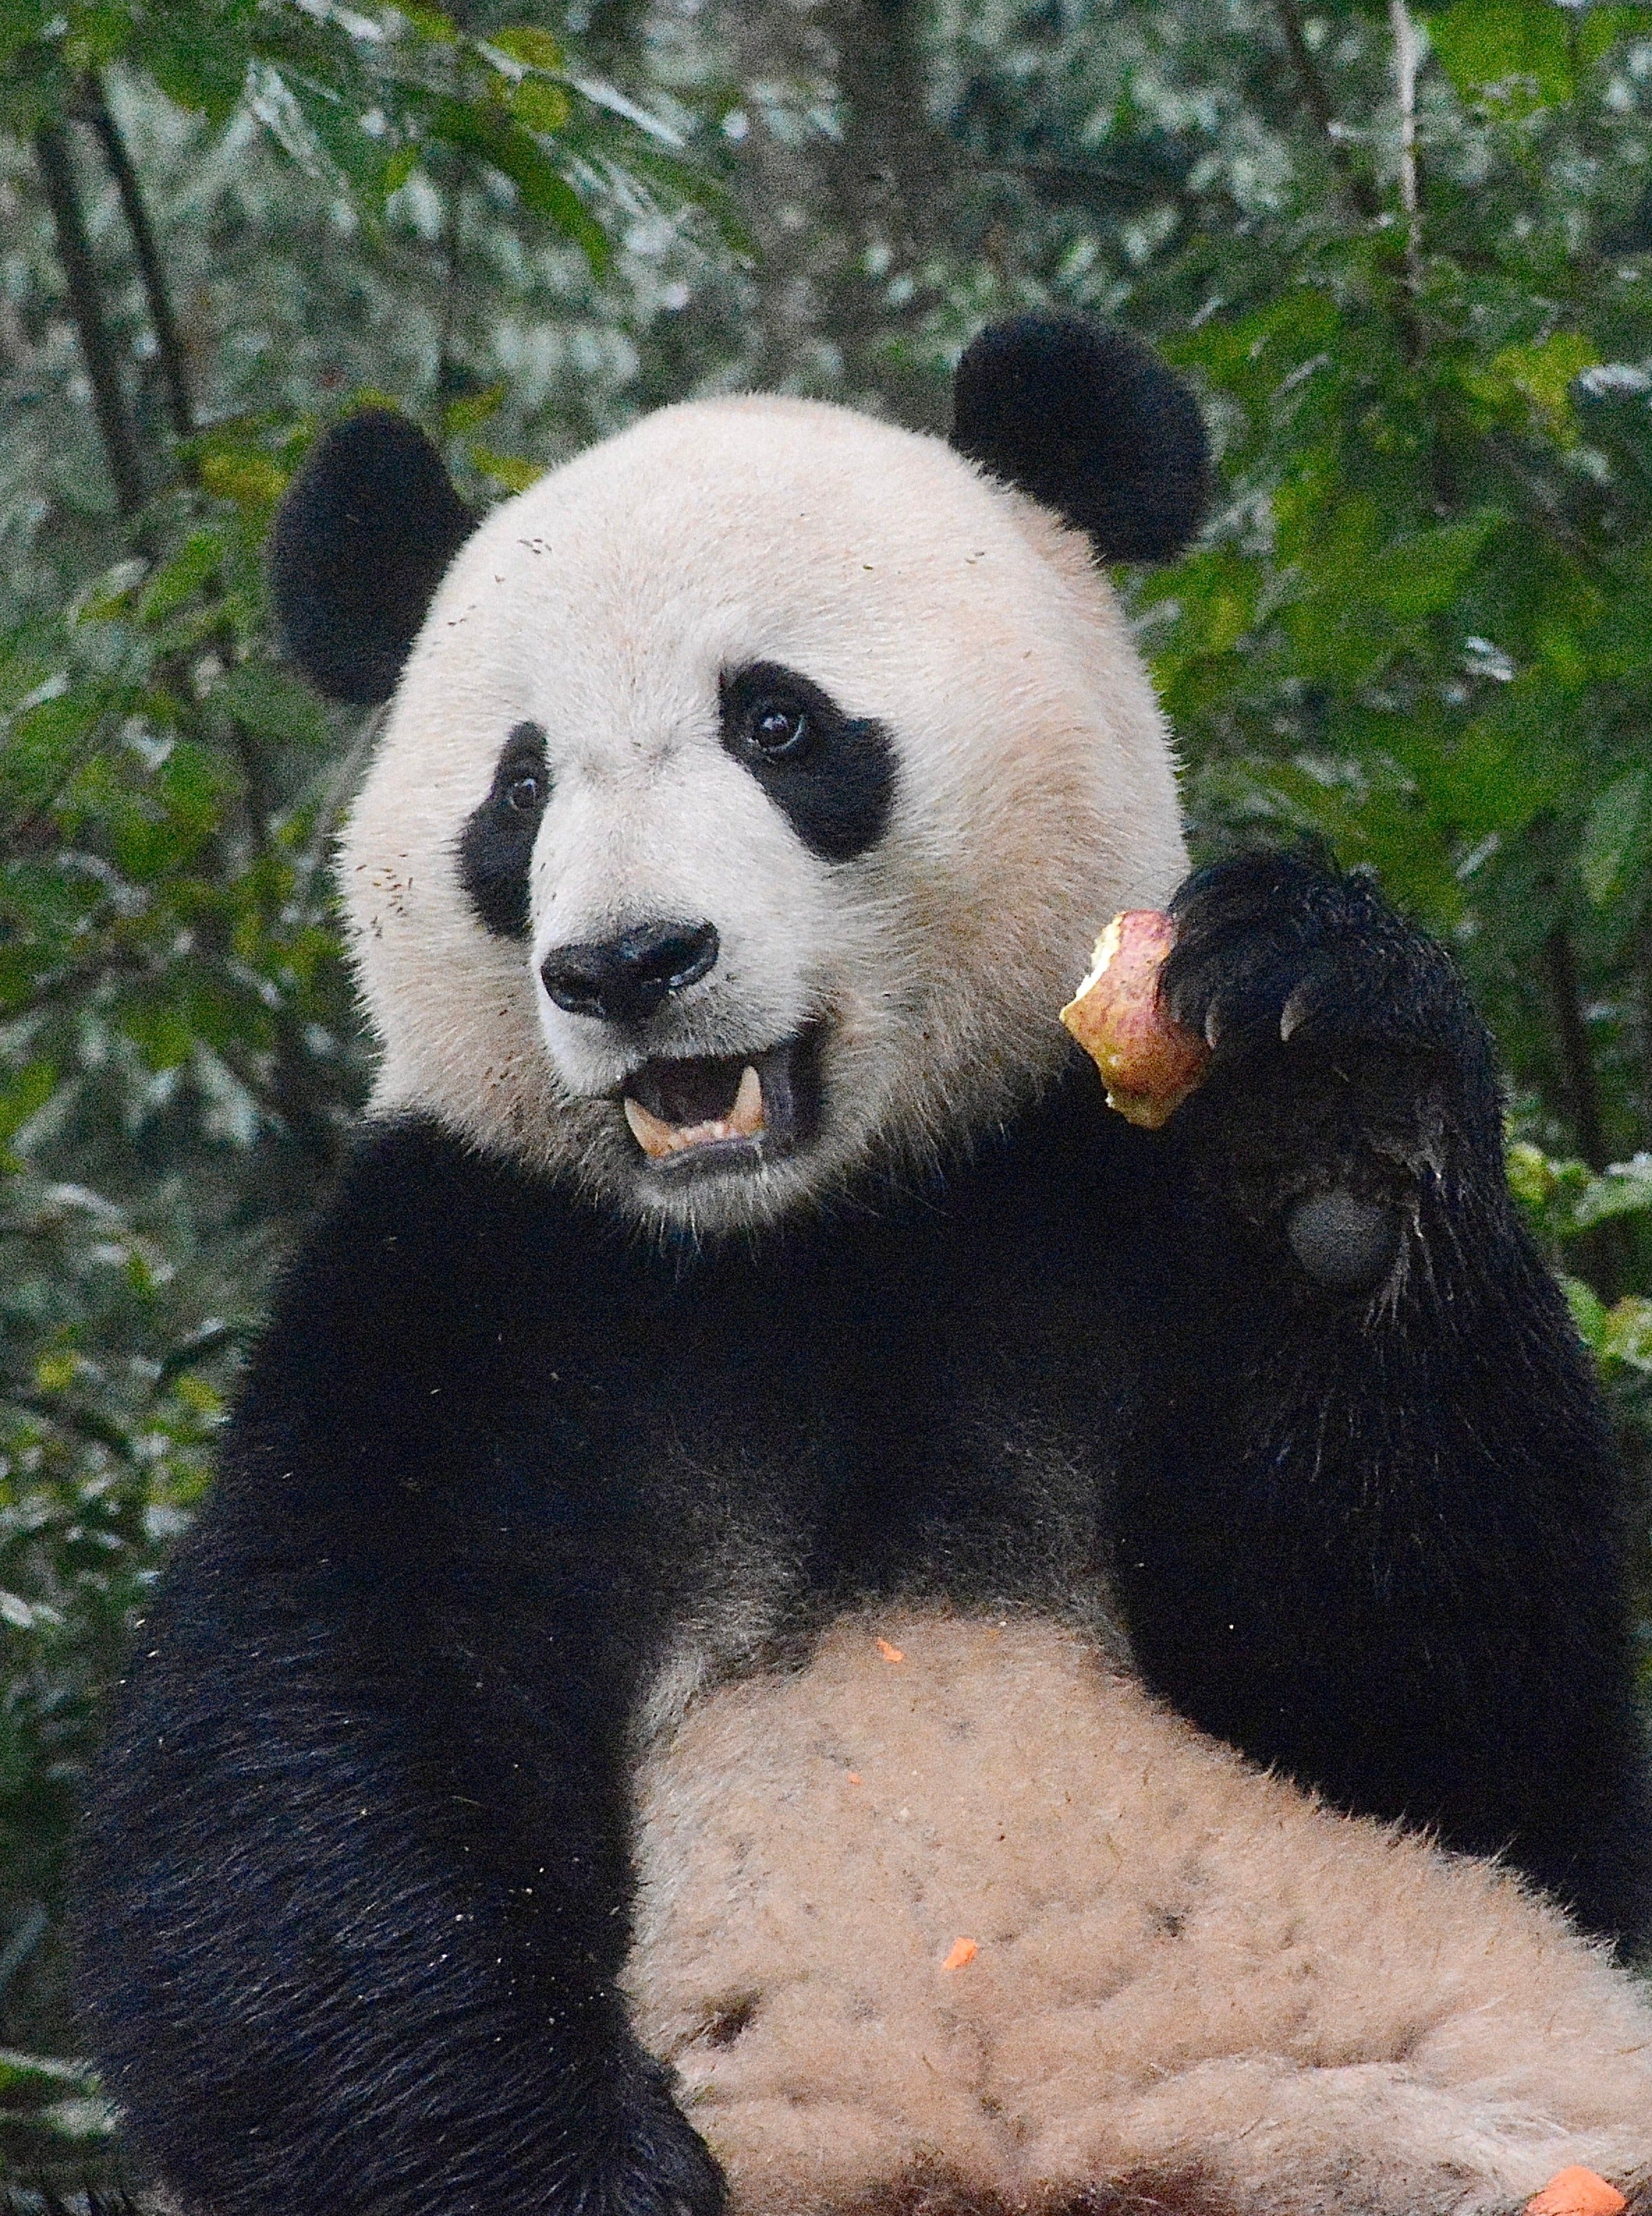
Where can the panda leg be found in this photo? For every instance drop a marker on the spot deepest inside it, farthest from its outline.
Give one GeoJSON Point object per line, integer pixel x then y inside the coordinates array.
{"type": "Point", "coordinates": [1381, 1538]}
{"type": "Point", "coordinates": [352, 1906]}
{"type": "Point", "coordinates": [1268, 2138]}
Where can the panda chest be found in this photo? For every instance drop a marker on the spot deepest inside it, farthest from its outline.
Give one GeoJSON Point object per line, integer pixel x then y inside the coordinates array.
{"type": "Point", "coordinates": [957, 1461]}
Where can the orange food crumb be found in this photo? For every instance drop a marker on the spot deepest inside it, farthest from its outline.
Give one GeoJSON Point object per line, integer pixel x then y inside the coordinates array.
{"type": "Point", "coordinates": [1576, 2192]}
{"type": "Point", "coordinates": [854, 1777]}
{"type": "Point", "coordinates": [965, 1950]}
{"type": "Point", "coordinates": [890, 1653]}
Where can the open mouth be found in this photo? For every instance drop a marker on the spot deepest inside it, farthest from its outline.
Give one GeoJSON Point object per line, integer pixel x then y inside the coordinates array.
{"type": "Point", "coordinates": [731, 1110]}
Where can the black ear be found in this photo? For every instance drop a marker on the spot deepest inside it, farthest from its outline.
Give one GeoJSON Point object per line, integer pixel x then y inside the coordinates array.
{"type": "Point", "coordinates": [360, 544]}
{"type": "Point", "coordinates": [1091, 424]}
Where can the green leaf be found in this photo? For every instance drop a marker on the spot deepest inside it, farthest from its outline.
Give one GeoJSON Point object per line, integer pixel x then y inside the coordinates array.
{"type": "Point", "coordinates": [1531, 1175]}
{"type": "Point", "coordinates": [160, 1031]}
{"type": "Point", "coordinates": [179, 580]}
{"type": "Point", "coordinates": [1588, 1313]}
{"type": "Point", "coordinates": [482, 129]}
{"type": "Point", "coordinates": [44, 743]}
{"type": "Point", "coordinates": [251, 480]}
{"type": "Point", "coordinates": [98, 36]}
{"type": "Point", "coordinates": [271, 702]}
{"type": "Point", "coordinates": [1533, 384]}
{"type": "Point", "coordinates": [1626, 1333]}
{"type": "Point", "coordinates": [1423, 575]}
{"type": "Point", "coordinates": [197, 57]}
{"type": "Point", "coordinates": [528, 44]}
{"type": "Point", "coordinates": [470, 412]}
{"type": "Point", "coordinates": [430, 23]}
{"type": "Point", "coordinates": [1482, 43]}
{"type": "Point", "coordinates": [1611, 835]}
{"type": "Point", "coordinates": [26, 1093]}
{"type": "Point", "coordinates": [511, 471]}
{"type": "Point", "coordinates": [541, 105]}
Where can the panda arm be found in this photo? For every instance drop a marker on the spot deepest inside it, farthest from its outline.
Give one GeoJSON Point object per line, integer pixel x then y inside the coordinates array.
{"type": "Point", "coordinates": [1380, 1537]}
{"type": "Point", "coordinates": [355, 1894]}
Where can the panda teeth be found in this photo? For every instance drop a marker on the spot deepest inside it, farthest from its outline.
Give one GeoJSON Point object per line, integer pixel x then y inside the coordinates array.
{"type": "Point", "coordinates": [658, 1138]}
{"type": "Point", "coordinates": [745, 1117]}
{"type": "Point", "coordinates": [652, 1133]}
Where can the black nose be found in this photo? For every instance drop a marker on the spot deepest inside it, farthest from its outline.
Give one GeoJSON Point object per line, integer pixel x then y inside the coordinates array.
{"type": "Point", "coordinates": [623, 980]}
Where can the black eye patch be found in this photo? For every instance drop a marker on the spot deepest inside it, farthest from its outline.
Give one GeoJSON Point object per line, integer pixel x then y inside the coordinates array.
{"type": "Point", "coordinates": [831, 776]}
{"type": "Point", "coordinates": [496, 844]}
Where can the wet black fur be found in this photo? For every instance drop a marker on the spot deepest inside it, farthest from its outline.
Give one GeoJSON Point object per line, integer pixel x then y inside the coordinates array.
{"type": "Point", "coordinates": [355, 1893]}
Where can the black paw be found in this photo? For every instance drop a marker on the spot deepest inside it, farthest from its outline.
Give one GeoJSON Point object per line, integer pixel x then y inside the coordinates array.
{"type": "Point", "coordinates": [1276, 947]}
{"type": "Point", "coordinates": [632, 2152]}
{"type": "Point", "coordinates": [1348, 1064]}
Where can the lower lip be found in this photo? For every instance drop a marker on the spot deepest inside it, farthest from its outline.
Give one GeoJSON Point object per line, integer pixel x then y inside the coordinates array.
{"type": "Point", "coordinates": [716, 1155]}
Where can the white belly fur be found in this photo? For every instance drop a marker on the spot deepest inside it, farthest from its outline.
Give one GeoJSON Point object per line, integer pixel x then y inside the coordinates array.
{"type": "Point", "coordinates": [1192, 1986]}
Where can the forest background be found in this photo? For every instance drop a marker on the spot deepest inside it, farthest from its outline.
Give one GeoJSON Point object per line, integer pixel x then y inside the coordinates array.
{"type": "Point", "coordinates": [1403, 254]}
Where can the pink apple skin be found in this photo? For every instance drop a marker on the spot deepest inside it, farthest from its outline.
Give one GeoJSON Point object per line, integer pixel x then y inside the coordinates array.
{"type": "Point", "coordinates": [1149, 1064]}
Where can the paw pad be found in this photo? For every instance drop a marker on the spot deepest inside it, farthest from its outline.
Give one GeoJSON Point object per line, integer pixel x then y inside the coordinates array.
{"type": "Point", "coordinates": [1348, 1244]}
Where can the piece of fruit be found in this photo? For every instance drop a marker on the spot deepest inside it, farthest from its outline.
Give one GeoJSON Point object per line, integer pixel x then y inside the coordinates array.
{"type": "Point", "coordinates": [1576, 2192]}
{"type": "Point", "coordinates": [1149, 1064]}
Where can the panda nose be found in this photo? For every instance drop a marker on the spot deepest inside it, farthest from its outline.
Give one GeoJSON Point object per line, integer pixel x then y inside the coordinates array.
{"type": "Point", "coordinates": [623, 980]}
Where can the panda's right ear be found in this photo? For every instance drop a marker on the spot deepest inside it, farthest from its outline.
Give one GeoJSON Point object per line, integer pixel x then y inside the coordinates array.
{"type": "Point", "coordinates": [360, 542]}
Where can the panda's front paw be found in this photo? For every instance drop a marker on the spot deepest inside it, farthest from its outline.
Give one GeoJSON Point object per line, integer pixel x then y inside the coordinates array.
{"type": "Point", "coordinates": [1349, 1065]}
{"type": "Point", "coordinates": [636, 2154]}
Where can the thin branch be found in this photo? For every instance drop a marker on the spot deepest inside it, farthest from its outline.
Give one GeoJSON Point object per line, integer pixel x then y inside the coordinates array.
{"type": "Point", "coordinates": [1407, 56]}
{"type": "Point", "coordinates": [1360, 196]}
{"type": "Point", "coordinates": [181, 405]}
{"type": "Point", "coordinates": [447, 367]}
{"type": "Point", "coordinates": [56, 164]}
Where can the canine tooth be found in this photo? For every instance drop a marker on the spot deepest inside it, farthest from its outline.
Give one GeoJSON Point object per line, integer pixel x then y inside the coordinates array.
{"type": "Point", "coordinates": [746, 1118]}
{"type": "Point", "coordinates": [654, 1137]}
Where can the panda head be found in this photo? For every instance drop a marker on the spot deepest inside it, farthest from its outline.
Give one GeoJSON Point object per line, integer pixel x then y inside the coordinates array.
{"type": "Point", "coordinates": [753, 785]}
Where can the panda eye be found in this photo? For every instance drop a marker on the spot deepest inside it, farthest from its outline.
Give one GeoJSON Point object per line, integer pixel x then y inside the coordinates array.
{"type": "Point", "coordinates": [522, 793]}
{"type": "Point", "coordinates": [778, 727]}
{"type": "Point", "coordinates": [830, 774]}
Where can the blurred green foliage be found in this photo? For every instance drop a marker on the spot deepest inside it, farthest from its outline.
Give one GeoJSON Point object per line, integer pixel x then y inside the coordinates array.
{"type": "Point", "coordinates": [1406, 257]}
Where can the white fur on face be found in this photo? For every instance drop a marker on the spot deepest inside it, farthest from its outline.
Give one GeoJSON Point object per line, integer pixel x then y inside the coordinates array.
{"type": "Point", "coordinates": [1034, 794]}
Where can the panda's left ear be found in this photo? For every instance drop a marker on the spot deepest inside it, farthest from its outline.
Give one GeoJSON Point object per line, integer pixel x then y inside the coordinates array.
{"type": "Point", "coordinates": [1091, 424]}
{"type": "Point", "coordinates": [359, 546]}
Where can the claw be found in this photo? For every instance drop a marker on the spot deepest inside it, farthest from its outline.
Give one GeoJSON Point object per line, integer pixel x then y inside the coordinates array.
{"type": "Point", "coordinates": [1295, 1011]}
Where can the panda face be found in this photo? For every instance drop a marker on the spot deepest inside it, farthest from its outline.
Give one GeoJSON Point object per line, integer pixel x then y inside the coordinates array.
{"type": "Point", "coordinates": [748, 804]}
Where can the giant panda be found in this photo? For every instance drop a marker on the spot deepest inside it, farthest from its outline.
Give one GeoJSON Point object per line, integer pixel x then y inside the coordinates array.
{"type": "Point", "coordinates": [795, 1616]}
